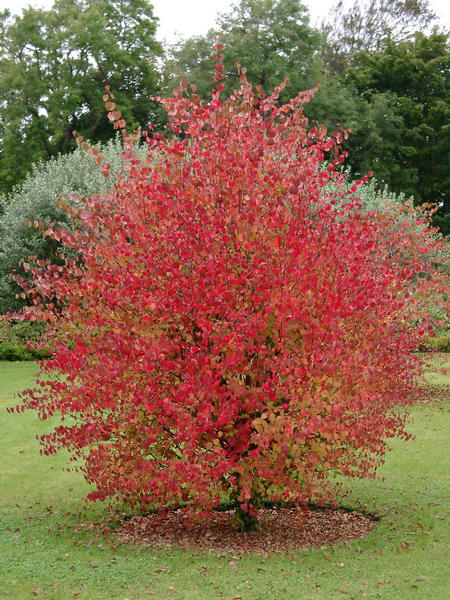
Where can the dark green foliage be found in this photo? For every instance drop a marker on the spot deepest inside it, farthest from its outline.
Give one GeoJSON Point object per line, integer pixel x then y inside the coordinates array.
{"type": "Point", "coordinates": [398, 80]}
{"type": "Point", "coordinates": [442, 220]}
{"type": "Point", "coordinates": [405, 135]}
{"type": "Point", "coordinates": [368, 26]}
{"type": "Point", "coordinates": [10, 351]}
{"type": "Point", "coordinates": [53, 68]}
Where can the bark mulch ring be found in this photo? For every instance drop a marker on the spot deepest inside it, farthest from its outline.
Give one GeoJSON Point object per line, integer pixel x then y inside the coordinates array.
{"type": "Point", "coordinates": [281, 530]}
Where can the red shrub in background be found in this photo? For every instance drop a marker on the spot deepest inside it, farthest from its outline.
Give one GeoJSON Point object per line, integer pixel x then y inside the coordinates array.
{"type": "Point", "coordinates": [231, 326]}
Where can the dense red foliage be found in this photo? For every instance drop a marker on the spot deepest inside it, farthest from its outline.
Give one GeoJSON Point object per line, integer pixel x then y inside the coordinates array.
{"type": "Point", "coordinates": [233, 323]}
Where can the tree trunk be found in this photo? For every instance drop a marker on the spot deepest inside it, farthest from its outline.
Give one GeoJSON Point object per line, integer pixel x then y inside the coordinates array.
{"type": "Point", "coordinates": [246, 521]}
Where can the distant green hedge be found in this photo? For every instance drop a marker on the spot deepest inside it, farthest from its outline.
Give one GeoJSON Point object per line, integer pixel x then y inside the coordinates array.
{"type": "Point", "coordinates": [15, 352]}
{"type": "Point", "coordinates": [13, 337]}
{"type": "Point", "coordinates": [441, 342]}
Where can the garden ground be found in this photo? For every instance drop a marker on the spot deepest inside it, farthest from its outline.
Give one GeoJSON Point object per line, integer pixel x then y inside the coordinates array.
{"type": "Point", "coordinates": [52, 545]}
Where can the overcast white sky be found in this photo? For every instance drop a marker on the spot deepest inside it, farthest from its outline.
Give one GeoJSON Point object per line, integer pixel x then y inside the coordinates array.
{"type": "Point", "coordinates": [183, 18]}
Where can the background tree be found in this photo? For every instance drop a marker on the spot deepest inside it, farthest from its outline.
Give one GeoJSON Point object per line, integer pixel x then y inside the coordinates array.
{"type": "Point", "coordinates": [405, 91]}
{"type": "Point", "coordinates": [368, 25]}
{"type": "Point", "coordinates": [272, 39]}
{"type": "Point", "coordinates": [395, 73]}
{"type": "Point", "coordinates": [53, 64]}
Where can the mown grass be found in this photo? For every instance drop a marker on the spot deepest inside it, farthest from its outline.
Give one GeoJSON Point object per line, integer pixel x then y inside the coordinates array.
{"type": "Point", "coordinates": [50, 546]}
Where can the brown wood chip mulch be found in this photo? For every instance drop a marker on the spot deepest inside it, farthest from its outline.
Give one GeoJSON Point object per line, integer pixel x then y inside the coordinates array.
{"type": "Point", "coordinates": [281, 530]}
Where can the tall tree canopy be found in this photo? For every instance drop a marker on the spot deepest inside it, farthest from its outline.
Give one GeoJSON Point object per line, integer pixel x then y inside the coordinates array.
{"type": "Point", "coordinates": [367, 26]}
{"type": "Point", "coordinates": [393, 64]}
{"type": "Point", "coordinates": [53, 64]}
{"type": "Point", "coordinates": [272, 39]}
{"type": "Point", "coordinates": [408, 84]}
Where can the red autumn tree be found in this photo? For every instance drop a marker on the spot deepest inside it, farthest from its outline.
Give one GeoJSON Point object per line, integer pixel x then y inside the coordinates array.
{"type": "Point", "coordinates": [228, 322]}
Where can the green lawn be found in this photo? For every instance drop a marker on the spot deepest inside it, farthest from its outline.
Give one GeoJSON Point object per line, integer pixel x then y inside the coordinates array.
{"type": "Point", "coordinates": [50, 547]}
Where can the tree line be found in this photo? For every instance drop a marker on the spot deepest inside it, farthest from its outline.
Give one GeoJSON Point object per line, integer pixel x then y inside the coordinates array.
{"type": "Point", "coordinates": [383, 69]}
